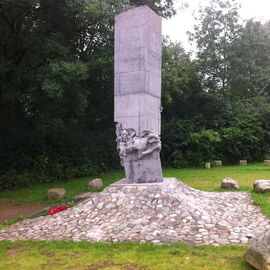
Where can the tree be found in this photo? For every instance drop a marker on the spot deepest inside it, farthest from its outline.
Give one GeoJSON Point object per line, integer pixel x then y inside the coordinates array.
{"type": "Point", "coordinates": [190, 114]}
{"type": "Point", "coordinates": [56, 88]}
{"type": "Point", "coordinates": [250, 64]}
{"type": "Point", "coordinates": [164, 8]}
{"type": "Point", "coordinates": [218, 26]}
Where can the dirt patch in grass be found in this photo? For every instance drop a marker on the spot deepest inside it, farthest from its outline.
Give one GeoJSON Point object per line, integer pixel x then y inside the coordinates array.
{"type": "Point", "coordinates": [11, 211]}
{"type": "Point", "coordinates": [51, 265]}
{"type": "Point", "coordinates": [12, 252]}
{"type": "Point", "coordinates": [48, 254]}
{"type": "Point", "coordinates": [109, 264]}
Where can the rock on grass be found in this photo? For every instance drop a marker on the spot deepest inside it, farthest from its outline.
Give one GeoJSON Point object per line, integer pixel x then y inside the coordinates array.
{"type": "Point", "coordinates": [258, 253]}
{"type": "Point", "coordinates": [56, 193]}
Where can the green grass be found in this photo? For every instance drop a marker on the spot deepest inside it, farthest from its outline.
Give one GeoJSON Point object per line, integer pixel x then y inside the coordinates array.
{"type": "Point", "coordinates": [209, 180]}
{"type": "Point", "coordinates": [38, 193]}
{"type": "Point", "coordinates": [60, 255]}
{"type": "Point", "coordinates": [200, 178]}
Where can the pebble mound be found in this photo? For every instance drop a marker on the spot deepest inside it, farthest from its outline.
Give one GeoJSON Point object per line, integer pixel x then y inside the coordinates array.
{"type": "Point", "coordinates": [159, 212]}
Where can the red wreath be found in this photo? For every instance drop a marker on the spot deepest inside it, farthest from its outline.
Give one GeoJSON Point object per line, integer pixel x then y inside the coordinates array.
{"type": "Point", "coordinates": [57, 209]}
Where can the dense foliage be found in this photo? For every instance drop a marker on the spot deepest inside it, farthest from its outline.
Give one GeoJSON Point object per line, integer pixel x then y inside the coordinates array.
{"type": "Point", "coordinates": [217, 105]}
{"type": "Point", "coordinates": [56, 89]}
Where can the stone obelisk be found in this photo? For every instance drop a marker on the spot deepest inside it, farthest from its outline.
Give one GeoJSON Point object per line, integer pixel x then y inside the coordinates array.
{"type": "Point", "coordinates": [137, 93]}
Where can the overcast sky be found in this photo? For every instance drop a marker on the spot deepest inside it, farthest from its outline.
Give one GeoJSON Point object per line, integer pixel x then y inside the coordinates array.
{"type": "Point", "coordinates": [177, 27]}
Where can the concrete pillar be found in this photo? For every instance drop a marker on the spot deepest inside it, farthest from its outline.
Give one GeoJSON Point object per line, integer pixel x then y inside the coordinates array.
{"type": "Point", "coordinates": [138, 46]}
{"type": "Point", "coordinates": [137, 94]}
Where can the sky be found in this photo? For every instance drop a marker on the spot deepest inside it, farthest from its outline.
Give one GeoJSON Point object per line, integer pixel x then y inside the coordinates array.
{"type": "Point", "coordinates": [183, 21]}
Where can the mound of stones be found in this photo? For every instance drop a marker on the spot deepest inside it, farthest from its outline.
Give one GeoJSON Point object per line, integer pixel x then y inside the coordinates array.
{"type": "Point", "coordinates": [159, 212]}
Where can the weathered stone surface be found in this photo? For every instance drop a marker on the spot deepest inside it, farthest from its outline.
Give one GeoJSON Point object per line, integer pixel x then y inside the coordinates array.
{"type": "Point", "coordinates": [267, 162]}
{"type": "Point", "coordinates": [137, 103]}
{"type": "Point", "coordinates": [218, 163]}
{"type": "Point", "coordinates": [163, 212]}
{"type": "Point", "coordinates": [261, 185]}
{"type": "Point", "coordinates": [56, 193]}
{"type": "Point", "coordinates": [207, 165]}
{"type": "Point", "coordinates": [139, 155]}
{"type": "Point", "coordinates": [95, 183]}
{"type": "Point", "coordinates": [229, 183]}
{"type": "Point", "coordinates": [243, 162]}
{"type": "Point", "coordinates": [147, 170]}
{"type": "Point", "coordinates": [137, 67]}
{"type": "Point", "coordinates": [258, 253]}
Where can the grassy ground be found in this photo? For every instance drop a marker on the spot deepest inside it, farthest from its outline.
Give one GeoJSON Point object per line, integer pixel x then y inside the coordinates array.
{"type": "Point", "coordinates": [200, 178]}
{"type": "Point", "coordinates": [84, 256]}
{"type": "Point", "coordinates": [68, 255]}
{"type": "Point", "coordinates": [38, 193]}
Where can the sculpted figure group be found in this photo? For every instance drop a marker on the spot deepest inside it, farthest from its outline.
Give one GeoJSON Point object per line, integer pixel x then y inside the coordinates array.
{"type": "Point", "coordinates": [128, 143]}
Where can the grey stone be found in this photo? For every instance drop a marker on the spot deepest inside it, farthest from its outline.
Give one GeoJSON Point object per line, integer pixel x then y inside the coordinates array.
{"type": "Point", "coordinates": [261, 185]}
{"type": "Point", "coordinates": [243, 162]}
{"type": "Point", "coordinates": [110, 206]}
{"type": "Point", "coordinates": [139, 155]}
{"type": "Point", "coordinates": [229, 183]}
{"type": "Point", "coordinates": [218, 163]}
{"type": "Point", "coordinates": [138, 67]}
{"type": "Point", "coordinates": [56, 193]}
{"type": "Point", "coordinates": [143, 171]}
{"type": "Point", "coordinates": [137, 105]}
{"type": "Point", "coordinates": [207, 165]}
{"type": "Point", "coordinates": [258, 253]}
{"type": "Point", "coordinates": [267, 162]}
{"type": "Point", "coordinates": [95, 183]}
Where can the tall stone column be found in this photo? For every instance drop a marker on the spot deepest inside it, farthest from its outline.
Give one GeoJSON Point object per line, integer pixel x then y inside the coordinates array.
{"type": "Point", "coordinates": [138, 47]}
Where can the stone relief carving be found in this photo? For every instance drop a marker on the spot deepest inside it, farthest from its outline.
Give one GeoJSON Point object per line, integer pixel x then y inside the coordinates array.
{"type": "Point", "coordinates": [129, 144]}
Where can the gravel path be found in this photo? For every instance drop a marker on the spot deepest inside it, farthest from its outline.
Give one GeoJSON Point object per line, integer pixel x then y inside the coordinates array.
{"type": "Point", "coordinates": [160, 213]}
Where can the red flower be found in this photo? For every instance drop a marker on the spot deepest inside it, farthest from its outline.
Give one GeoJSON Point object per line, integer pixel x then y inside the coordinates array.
{"type": "Point", "coordinates": [57, 209]}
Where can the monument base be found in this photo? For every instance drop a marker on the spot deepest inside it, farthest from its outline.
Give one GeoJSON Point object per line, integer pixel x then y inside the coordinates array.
{"type": "Point", "coordinates": [163, 212]}
{"type": "Point", "coordinates": [143, 171]}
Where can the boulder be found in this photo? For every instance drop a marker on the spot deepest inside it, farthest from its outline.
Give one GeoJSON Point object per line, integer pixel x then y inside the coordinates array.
{"type": "Point", "coordinates": [258, 253]}
{"type": "Point", "coordinates": [261, 185]}
{"type": "Point", "coordinates": [95, 184]}
{"type": "Point", "coordinates": [56, 193]}
{"type": "Point", "coordinates": [229, 183]}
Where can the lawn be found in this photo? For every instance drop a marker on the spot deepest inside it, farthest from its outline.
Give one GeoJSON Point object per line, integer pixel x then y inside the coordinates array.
{"type": "Point", "coordinates": [200, 178]}
{"type": "Point", "coordinates": [128, 256]}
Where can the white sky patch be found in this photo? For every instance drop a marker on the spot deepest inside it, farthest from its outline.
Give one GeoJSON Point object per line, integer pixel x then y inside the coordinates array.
{"type": "Point", "coordinates": [184, 20]}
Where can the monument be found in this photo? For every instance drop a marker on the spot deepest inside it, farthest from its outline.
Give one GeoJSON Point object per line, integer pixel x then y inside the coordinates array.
{"type": "Point", "coordinates": [133, 209]}
{"type": "Point", "coordinates": [137, 93]}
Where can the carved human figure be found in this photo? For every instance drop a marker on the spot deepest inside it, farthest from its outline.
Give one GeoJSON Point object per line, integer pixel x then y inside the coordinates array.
{"type": "Point", "coordinates": [129, 143]}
